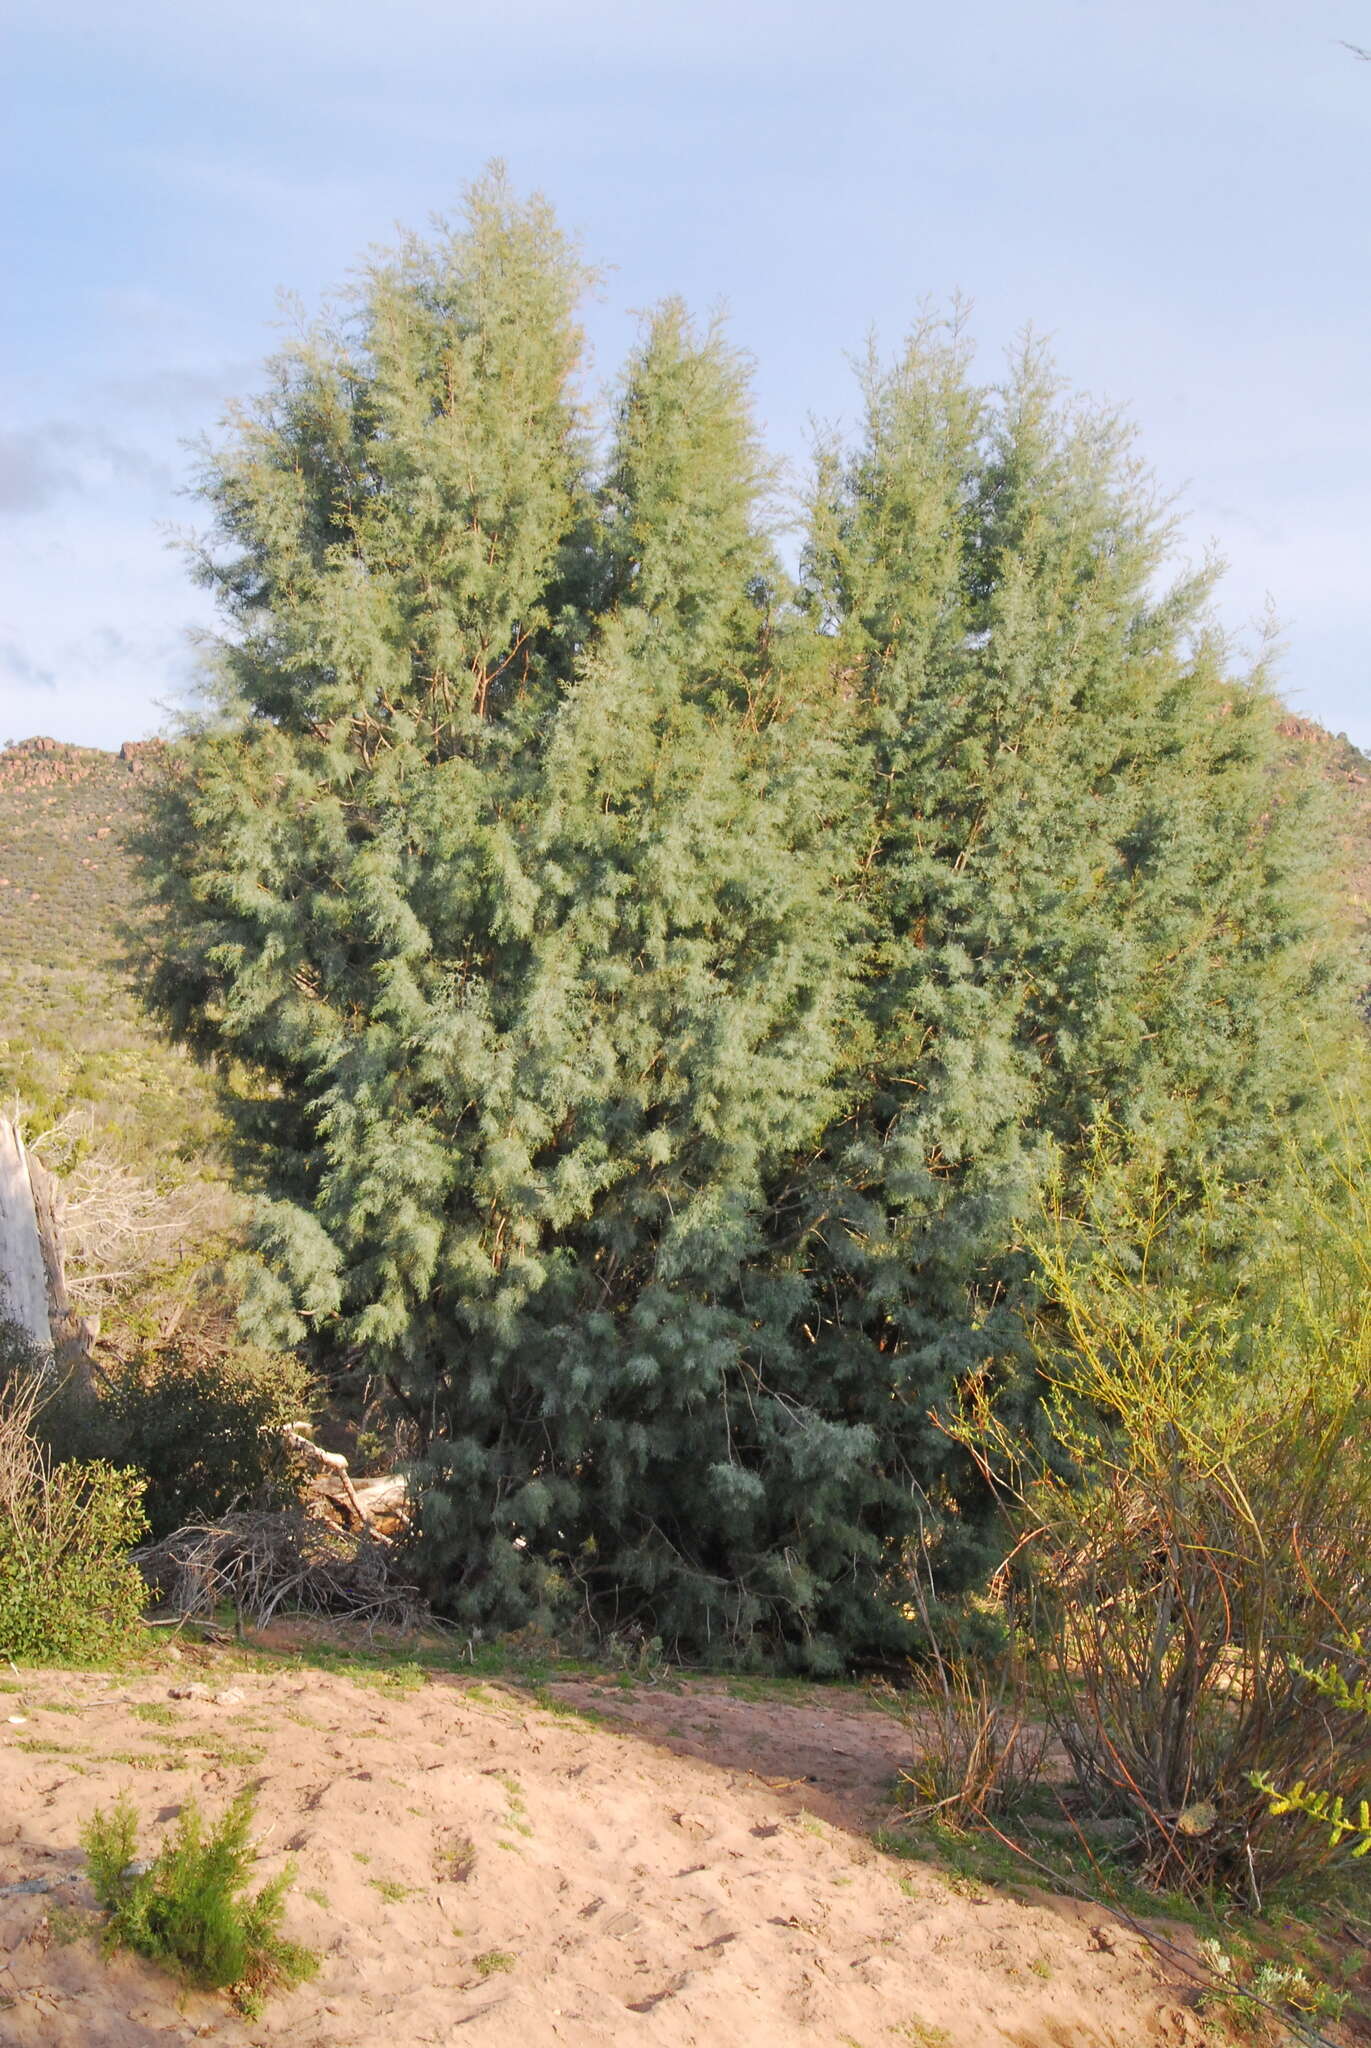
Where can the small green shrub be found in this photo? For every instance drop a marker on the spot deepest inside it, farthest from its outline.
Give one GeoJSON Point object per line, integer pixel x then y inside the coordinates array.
{"type": "Point", "coordinates": [67, 1589]}
{"type": "Point", "coordinates": [1252, 1994]}
{"type": "Point", "coordinates": [189, 1909]}
{"type": "Point", "coordinates": [201, 1421]}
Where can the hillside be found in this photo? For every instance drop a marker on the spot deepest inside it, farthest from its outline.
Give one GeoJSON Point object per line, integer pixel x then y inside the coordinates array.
{"type": "Point", "coordinates": [1347, 771]}
{"type": "Point", "coordinates": [72, 1034]}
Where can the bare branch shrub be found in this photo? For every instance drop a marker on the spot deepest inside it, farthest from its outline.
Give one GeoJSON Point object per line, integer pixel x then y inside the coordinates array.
{"type": "Point", "coordinates": [978, 1748]}
{"type": "Point", "coordinates": [117, 1226]}
{"type": "Point", "coordinates": [21, 1394]}
{"type": "Point", "coordinates": [1202, 1541]}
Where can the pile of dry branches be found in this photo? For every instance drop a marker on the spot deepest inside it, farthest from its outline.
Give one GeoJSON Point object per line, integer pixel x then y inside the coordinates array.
{"type": "Point", "coordinates": [262, 1564]}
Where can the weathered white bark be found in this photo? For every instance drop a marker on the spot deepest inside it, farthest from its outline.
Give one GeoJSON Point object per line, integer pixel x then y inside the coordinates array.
{"type": "Point", "coordinates": [336, 1466]}
{"type": "Point", "coordinates": [23, 1269]}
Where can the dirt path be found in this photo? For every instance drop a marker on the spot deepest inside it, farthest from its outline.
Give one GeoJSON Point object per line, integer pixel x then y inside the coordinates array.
{"type": "Point", "coordinates": [829, 1756]}
{"type": "Point", "coordinates": [475, 1868]}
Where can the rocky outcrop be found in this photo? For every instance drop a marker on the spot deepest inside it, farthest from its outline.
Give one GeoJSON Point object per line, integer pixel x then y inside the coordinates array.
{"type": "Point", "coordinates": [140, 755]}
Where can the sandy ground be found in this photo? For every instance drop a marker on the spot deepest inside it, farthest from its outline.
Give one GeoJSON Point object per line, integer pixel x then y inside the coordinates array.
{"type": "Point", "coordinates": [473, 1867]}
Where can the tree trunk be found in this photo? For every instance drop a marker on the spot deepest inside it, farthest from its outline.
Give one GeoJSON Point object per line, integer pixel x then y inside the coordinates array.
{"type": "Point", "coordinates": [33, 1274]}
{"type": "Point", "coordinates": [24, 1269]}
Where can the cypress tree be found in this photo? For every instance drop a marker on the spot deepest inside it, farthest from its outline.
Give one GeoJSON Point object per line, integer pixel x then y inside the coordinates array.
{"type": "Point", "coordinates": [687, 980]}
{"type": "Point", "coordinates": [340, 860]}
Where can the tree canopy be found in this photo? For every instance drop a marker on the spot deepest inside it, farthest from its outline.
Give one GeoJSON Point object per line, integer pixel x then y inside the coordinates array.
{"type": "Point", "coordinates": [651, 989]}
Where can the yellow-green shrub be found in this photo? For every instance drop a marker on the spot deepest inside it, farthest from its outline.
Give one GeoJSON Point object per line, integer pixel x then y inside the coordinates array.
{"type": "Point", "coordinates": [1196, 1532]}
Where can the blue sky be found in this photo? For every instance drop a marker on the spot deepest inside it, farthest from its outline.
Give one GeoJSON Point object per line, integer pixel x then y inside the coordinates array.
{"type": "Point", "coordinates": [1175, 190]}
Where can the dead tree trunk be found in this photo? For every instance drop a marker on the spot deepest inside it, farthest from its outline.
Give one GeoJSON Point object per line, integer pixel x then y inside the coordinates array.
{"type": "Point", "coordinates": [23, 1267]}
{"type": "Point", "coordinates": [33, 1276]}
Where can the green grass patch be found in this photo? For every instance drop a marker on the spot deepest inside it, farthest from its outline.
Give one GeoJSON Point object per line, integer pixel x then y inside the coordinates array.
{"type": "Point", "coordinates": [1299, 1940]}
{"type": "Point", "coordinates": [392, 1891]}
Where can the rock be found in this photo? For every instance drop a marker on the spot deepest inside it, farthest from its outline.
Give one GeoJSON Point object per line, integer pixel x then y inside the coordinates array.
{"type": "Point", "coordinates": [693, 1824]}
{"type": "Point", "coordinates": [190, 1692]}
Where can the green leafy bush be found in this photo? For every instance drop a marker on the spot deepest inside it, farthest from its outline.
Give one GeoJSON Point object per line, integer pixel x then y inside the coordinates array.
{"type": "Point", "coordinates": [67, 1588]}
{"type": "Point", "coordinates": [205, 1428]}
{"type": "Point", "coordinates": [189, 1909]}
{"type": "Point", "coordinates": [202, 1423]}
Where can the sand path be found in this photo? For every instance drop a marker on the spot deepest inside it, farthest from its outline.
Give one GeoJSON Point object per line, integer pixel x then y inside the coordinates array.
{"type": "Point", "coordinates": [476, 1868]}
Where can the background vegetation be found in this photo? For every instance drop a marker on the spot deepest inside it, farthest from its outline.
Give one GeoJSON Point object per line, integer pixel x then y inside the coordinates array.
{"type": "Point", "coordinates": [73, 1034]}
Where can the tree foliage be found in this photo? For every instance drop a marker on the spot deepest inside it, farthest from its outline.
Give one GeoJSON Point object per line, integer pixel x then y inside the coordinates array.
{"type": "Point", "coordinates": [647, 991]}
{"type": "Point", "coordinates": [1089, 904]}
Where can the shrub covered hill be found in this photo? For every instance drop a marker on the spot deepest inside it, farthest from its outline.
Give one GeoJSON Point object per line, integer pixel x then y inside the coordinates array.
{"type": "Point", "coordinates": [72, 1032]}
{"type": "Point", "coordinates": [1348, 770]}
